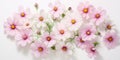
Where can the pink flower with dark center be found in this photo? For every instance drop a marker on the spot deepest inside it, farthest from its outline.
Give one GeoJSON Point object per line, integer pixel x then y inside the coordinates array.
{"type": "Point", "coordinates": [80, 42]}
{"type": "Point", "coordinates": [98, 16]}
{"type": "Point", "coordinates": [85, 9]}
{"type": "Point", "coordinates": [88, 31]}
{"type": "Point", "coordinates": [12, 26]}
{"type": "Point", "coordinates": [39, 49]}
{"type": "Point", "coordinates": [24, 37]}
{"type": "Point", "coordinates": [91, 50]}
{"type": "Point", "coordinates": [111, 40]}
{"type": "Point", "coordinates": [63, 48]}
{"type": "Point", "coordinates": [48, 39]}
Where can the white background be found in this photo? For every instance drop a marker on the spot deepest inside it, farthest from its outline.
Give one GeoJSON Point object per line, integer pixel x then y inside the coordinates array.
{"type": "Point", "coordinates": [9, 50]}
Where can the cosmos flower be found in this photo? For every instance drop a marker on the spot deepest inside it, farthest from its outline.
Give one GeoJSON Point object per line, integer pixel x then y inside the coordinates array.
{"type": "Point", "coordinates": [91, 50]}
{"type": "Point", "coordinates": [111, 40]}
{"type": "Point", "coordinates": [12, 26]}
{"type": "Point", "coordinates": [23, 14]}
{"type": "Point", "coordinates": [41, 18]}
{"type": "Point", "coordinates": [27, 24]}
{"type": "Point", "coordinates": [85, 9]}
{"type": "Point", "coordinates": [80, 42]}
{"type": "Point", "coordinates": [56, 9]}
{"type": "Point", "coordinates": [88, 31]}
{"type": "Point", "coordinates": [72, 21]}
{"type": "Point", "coordinates": [48, 39]}
{"type": "Point", "coordinates": [24, 37]}
{"type": "Point", "coordinates": [98, 16]}
{"type": "Point", "coordinates": [108, 26]}
{"type": "Point", "coordinates": [39, 49]}
{"type": "Point", "coordinates": [61, 32]}
{"type": "Point", "coordinates": [64, 48]}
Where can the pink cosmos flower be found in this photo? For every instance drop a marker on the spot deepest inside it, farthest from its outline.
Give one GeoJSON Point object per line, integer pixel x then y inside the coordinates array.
{"type": "Point", "coordinates": [98, 16]}
{"type": "Point", "coordinates": [111, 40]}
{"type": "Point", "coordinates": [63, 48]}
{"type": "Point", "coordinates": [12, 26]}
{"type": "Point", "coordinates": [88, 31]}
{"type": "Point", "coordinates": [48, 39]}
{"type": "Point", "coordinates": [80, 42]}
{"type": "Point", "coordinates": [72, 21]}
{"type": "Point", "coordinates": [61, 32]}
{"type": "Point", "coordinates": [56, 9]}
{"type": "Point", "coordinates": [39, 49]}
{"type": "Point", "coordinates": [23, 14]}
{"type": "Point", "coordinates": [85, 9]}
{"type": "Point", "coordinates": [24, 37]}
{"type": "Point", "coordinates": [91, 50]}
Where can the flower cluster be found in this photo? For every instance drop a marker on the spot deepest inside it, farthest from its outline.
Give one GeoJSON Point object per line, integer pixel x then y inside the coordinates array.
{"type": "Point", "coordinates": [61, 29]}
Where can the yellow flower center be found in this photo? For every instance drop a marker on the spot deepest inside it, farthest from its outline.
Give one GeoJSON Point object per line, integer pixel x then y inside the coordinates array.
{"type": "Point", "coordinates": [85, 10]}
{"type": "Point", "coordinates": [109, 27]}
{"type": "Point", "coordinates": [73, 21]}
{"type": "Point", "coordinates": [22, 14]}
{"type": "Point", "coordinates": [40, 49]}
{"type": "Point", "coordinates": [41, 18]}
{"type": "Point", "coordinates": [13, 26]}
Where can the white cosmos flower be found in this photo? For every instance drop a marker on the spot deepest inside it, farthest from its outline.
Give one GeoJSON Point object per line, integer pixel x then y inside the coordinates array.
{"type": "Point", "coordinates": [73, 21]}
{"type": "Point", "coordinates": [41, 18]}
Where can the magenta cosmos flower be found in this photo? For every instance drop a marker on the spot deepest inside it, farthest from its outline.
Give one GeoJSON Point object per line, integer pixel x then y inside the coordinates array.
{"type": "Point", "coordinates": [39, 49]}
{"type": "Point", "coordinates": [85, 10]}
{"type": "Point", "coordinates": [111, 40]}
{"type": "Point", "coordinates": [12, 26]}
{"type": "Point", "coordinates": [24, 37]}
{"type": "Point", "coordinates": [98, 16]}
{"type": "Point", "coordinates": [56, 9]}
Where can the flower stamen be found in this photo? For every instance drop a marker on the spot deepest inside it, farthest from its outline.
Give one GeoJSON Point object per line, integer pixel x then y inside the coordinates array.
{"type": "Point", "coordinates": [40, 49]}
{"type": "Point", "coordinates": [73, 21]}
{"type": "Point", "coordinates": [85, 10]}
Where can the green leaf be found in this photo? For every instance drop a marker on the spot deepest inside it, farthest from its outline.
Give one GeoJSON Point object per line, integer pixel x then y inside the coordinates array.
{"type": "Point", "coordinates": [95, 43]}
{"type": "Point", "coordinates": [49, 27]}
{"type": "Point", "coordinates": [53, 48]}
{"type": "Point", "coordinates": [63, 15]}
